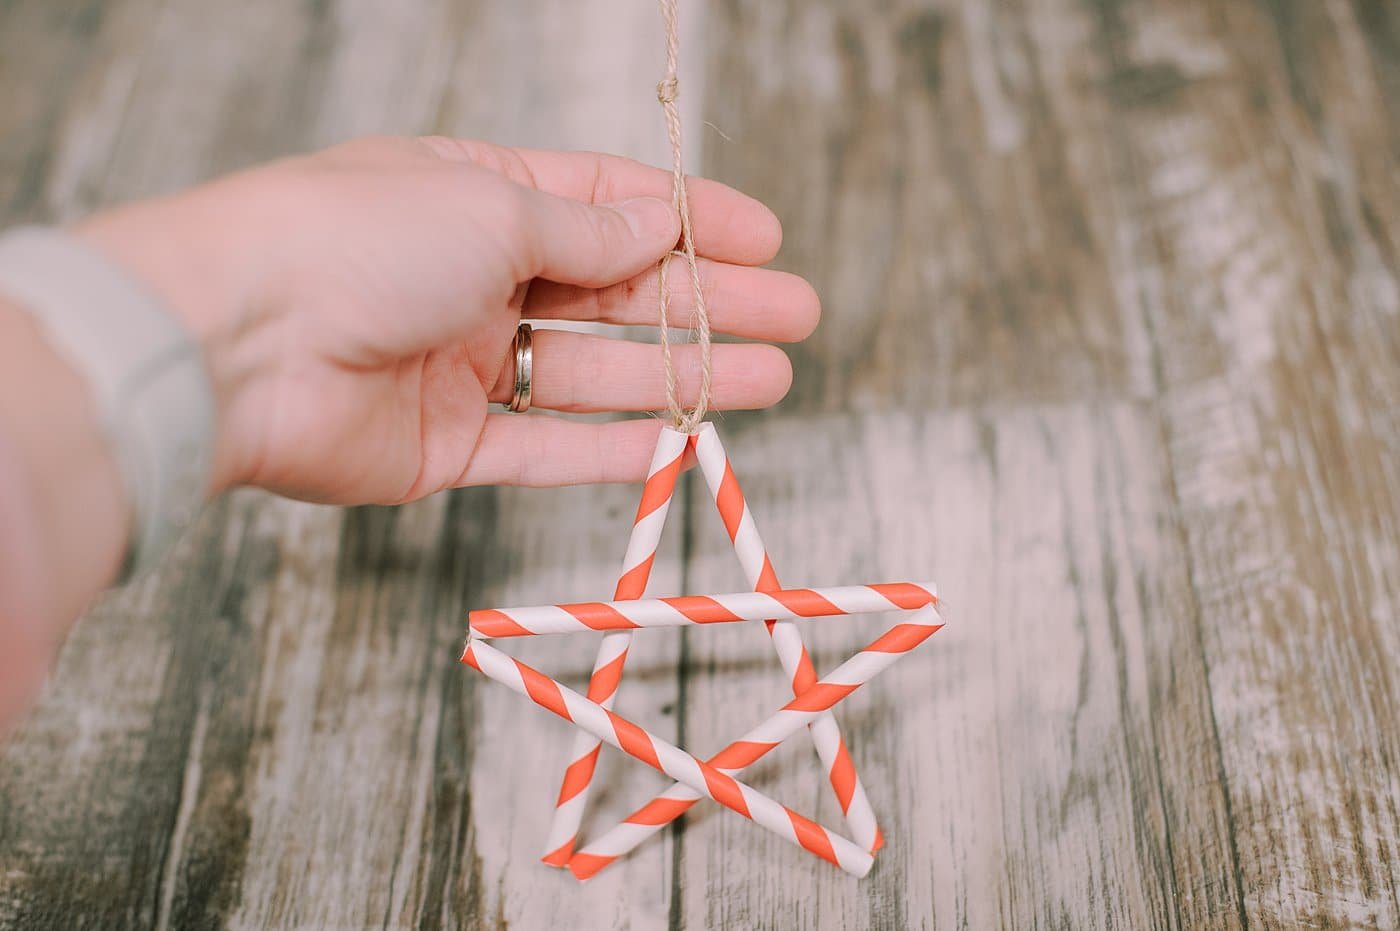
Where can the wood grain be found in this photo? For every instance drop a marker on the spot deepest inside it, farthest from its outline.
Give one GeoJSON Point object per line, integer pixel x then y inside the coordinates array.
{"type": "Point", "coordinates": [1276, 340]}
{"type": "Point", "coordinates": [1048, 739]}
{"type": "Point", "coordinates": [1111, 350]}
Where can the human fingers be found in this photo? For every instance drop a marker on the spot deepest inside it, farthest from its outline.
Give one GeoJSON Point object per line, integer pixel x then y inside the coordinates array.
{"type": "Point", "coordinates": [580, 372]}
{"type": "Point", "coordinates": [539, 450]}
{"type": "Point", "coordinates": [729, 226]}
{"type": "Point", "coordinates": [592, 245]}
{"type": "Point", "coordinates": [754, 303]}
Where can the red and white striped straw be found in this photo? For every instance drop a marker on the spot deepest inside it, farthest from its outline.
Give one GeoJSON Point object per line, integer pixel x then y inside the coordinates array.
{"type": "Point", "coordinates": [787, 641]}
{"type": "Point", "coordinates": [689, 610]}
{"type": "Point", "coordinates": [612, 652]}
{"type": "Point", "coordinates": [884, 652]}
{"type": "Point", "coordinates": [703, 778]}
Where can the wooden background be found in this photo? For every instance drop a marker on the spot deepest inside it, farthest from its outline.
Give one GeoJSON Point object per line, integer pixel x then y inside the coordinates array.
{"type": "Point", "coordinates": [1111, 350]}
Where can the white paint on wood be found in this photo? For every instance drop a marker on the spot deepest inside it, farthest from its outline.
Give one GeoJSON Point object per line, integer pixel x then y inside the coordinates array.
{"type": "Point", "coordinates": [1110, 289]}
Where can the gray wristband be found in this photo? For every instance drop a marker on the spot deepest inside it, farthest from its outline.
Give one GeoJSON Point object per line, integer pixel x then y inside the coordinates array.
{"type": "Point", "coordinates": [145, 372]}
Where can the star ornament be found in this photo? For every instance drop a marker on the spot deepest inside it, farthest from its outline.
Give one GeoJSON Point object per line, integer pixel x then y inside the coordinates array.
{"type": "Point", "coordinates": [717, 777]}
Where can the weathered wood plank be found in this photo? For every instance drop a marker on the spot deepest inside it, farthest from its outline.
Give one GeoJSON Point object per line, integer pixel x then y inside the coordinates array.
{"type": "Point", "coordinates": [1041, 753]}
{"type": "Point", "coordinates": [1140, 256]}
{"type": "Point", "coordinates": [947, 159]}
{"type": "Point", "coordinates": [936, 182]}
{"type": "Point", "coordinates": [564, 76]}
{"type": "Point", "coordinates": [135, 759]}
{"type": "Point", "coordinates": [1257, 202]}
{"type": "Point", "coordinates": [184, 682]}
{"type": "Point", "coordinates": [327, 775]}
{"type": "Point", "coordinates": [523, 750]}
{"type": "Point", "coordinates": [61, 64]}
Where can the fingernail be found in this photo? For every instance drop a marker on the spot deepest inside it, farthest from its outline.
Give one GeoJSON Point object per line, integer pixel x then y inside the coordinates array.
{"type": "Point", "coordinates": [647, 216]}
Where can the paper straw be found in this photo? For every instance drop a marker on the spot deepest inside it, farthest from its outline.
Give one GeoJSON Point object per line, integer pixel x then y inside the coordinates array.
{"type": "Point", "coordinates": [884, 652]}
{"type": "Point", "coordinates": [703, 778]}
{"type": "Point", "coordinates": [612, 652]}
{"type": "Point", "coordinates": [700, 609]}
{"type": "Point", "coordinates": [787, 641]}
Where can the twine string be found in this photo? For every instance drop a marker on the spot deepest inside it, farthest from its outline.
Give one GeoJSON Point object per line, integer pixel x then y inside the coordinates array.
{"type": "Point", "coordinates": [666, 92]}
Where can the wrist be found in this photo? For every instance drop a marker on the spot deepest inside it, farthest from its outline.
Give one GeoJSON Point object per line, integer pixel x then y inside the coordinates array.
{"type": "Point", "coordinates": [76, 513]}
{"type": "Point", "coordinates": [27, 627]}
{"type": "Point", "coordinates": [191, 252]}
{"type": "Point", "coordinates": [141, 372]}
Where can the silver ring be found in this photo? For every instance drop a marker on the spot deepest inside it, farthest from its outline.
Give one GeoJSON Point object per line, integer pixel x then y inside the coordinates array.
{"type": "Point", "coordinates": [524, 346]}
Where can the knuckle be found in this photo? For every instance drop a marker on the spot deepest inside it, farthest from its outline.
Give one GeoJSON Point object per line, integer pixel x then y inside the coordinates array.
{"type": "Point", "coordinates": [608, 228]}
{"type": "Point", "coordinates": [509, 211]}
{"type": "Point", "coordinates": [443, 147]}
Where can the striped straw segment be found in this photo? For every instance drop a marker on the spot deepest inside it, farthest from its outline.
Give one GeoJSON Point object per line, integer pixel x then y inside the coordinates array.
{"type": "Point", "coordinates": [612, 652]}
{"type": "Point", "coordinates": [816, 701]}
{"type": "Point", "coordinates": [698, 776]}
{"type": "Point", "coordinates": [787, 641]}
{"type": "Point", "coordinates": [700, 609]}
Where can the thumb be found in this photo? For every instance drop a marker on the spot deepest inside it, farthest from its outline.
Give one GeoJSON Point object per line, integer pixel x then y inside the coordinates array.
{"type": "Point", "coordinates": [595, 245]}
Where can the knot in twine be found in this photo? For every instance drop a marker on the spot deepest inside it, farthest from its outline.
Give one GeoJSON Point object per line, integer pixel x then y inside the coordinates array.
{"type": "Point", "coordinates": [666, 92]}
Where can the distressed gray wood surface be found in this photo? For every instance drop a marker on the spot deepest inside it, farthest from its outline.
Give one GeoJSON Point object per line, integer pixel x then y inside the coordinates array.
{"type": "Point", "coordinates": [1111, 349]}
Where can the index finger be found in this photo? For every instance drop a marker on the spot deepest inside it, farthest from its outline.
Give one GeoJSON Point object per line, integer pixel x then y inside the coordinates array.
{"type": "Point", "coordinates": [729, 226]}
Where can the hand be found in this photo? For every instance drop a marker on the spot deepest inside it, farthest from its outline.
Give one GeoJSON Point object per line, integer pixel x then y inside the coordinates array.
{"type": "Point", "coordinates": [358, 305]}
